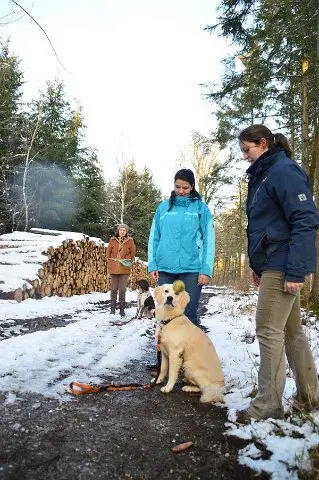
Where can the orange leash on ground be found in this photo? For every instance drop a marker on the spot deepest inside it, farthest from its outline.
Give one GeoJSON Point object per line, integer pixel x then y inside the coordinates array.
{"type": "Point", "coordinates": [77, 388]}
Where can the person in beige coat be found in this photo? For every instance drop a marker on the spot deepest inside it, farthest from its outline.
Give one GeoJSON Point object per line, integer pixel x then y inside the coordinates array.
{"type": "Point", "coordinates": [120, 256]}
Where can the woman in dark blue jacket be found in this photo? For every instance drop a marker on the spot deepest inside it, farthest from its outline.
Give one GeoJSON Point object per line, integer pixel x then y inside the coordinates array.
{"type": "Point", "coordinates": [282, 224]}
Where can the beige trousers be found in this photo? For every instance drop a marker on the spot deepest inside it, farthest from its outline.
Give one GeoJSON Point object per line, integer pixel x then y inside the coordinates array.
{"type": "Point", "coordinates": [279, 330]}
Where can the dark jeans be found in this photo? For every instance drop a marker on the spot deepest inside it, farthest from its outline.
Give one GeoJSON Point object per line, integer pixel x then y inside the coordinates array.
{"type": "Point", "coordinates": [191, 287]}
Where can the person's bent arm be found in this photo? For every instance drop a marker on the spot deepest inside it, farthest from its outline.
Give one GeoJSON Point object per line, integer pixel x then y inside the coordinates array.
{"type": "Point", "coordinates": [256, 279]}
{"type": "Point", "coordinates": [208, 233]}
{"type": "Point", "coordinates": [295, 199]}
{"type": "Point", "coordinates": [153, 242]}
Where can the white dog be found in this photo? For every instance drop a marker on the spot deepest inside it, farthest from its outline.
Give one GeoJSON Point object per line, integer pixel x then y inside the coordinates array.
{"type": "Point", "coordinates": [184, 345]}
{"type": "Point", "coordinates": [145, 301]}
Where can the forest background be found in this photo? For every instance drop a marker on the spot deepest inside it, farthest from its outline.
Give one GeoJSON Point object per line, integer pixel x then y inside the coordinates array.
{"type": "Point", "coordinates": [49, 180]}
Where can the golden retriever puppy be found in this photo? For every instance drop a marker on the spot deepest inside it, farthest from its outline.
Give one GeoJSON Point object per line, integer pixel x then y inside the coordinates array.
{"type": "Point", "coordinates": [184, 345]}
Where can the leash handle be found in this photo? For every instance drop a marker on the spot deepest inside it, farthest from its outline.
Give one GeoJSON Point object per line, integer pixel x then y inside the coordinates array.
{"type": "Point", "coordinates": [77, 388]}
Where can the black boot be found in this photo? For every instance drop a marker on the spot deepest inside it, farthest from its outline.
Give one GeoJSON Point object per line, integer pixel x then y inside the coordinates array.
{"type": "Point", "coordinates": [113, 305]}
{"type": "Point", "coordinates": [122, 309]}
{"type": "Point", "coordinates": [113, 301]}
{"type": "Point", "coordinates": [122, 303]}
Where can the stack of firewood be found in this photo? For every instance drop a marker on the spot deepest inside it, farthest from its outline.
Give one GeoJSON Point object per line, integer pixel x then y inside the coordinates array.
{"type": "Point", "coordinates": [75, 268]}
{"type": "Point", "coordinates": [139, 272]}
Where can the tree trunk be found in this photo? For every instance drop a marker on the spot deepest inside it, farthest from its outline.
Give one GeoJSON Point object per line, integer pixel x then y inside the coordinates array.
{"type": "Point", "coordinates": [314, 158]}
{"type": "Point", "coordinates": [305, 116]}
{"type": "Point", "coordinates": [240, 226]}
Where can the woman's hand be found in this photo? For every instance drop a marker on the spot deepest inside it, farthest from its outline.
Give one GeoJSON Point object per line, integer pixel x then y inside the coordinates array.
{"type": "Point", "coordinates": [203, 279]}
{"type": "Point", "coordinates": [292, 287]}
{"type": "Point", "coordinates": [256, 280]}
{"type": "Point", "coordinates": [154, 275]}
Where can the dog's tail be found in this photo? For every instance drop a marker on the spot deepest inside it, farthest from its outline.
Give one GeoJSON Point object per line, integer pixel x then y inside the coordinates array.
{"type": "Point", "coordinates": [213, 392]}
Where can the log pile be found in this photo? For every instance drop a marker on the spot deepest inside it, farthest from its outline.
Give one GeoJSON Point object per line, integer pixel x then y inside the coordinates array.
{"type": "Point", "coordinates": [139, 272]}
{"type": "Point", "coordinates": [74, 268]}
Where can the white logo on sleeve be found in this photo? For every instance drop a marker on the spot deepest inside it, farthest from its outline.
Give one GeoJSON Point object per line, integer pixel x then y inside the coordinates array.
{"type": "Point", "coordinates": [302, 197]}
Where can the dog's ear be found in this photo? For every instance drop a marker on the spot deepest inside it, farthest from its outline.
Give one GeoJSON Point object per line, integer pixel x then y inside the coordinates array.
{"type": "Point", "coordinates": [183, 299]}
{"type": "Point", "coordinates": [158, 292]}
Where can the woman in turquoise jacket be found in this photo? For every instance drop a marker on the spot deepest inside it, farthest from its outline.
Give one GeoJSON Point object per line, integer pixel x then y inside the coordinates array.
{"type": "Point", "coordinates": [182, 240]}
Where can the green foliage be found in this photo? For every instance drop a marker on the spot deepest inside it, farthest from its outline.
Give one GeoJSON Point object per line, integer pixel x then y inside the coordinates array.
{"type": "Point", "coordinates": [59, 130]}
{"type": "Point", "coordinates": [64, 185]}
{"type": "Point", "coordinates": [10, 128]}
{"type": "Point", "coordinates": [91, 216]}
{"type": "Point", "coordinates": [262, 81]}
{"type": "Point", "coordinates": [45, 181]}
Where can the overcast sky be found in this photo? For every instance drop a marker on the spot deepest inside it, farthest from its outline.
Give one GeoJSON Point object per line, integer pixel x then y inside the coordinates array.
{"type": "Point", "coordinates": [134, 65]}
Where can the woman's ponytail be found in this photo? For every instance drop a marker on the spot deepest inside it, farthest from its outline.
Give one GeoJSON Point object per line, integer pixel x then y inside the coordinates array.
{"type": "Point", "coordinates": [281, 141]}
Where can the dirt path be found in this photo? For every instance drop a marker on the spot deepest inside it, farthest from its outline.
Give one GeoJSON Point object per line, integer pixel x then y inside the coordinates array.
{"type": "Point", "coordinates": [119, 435]}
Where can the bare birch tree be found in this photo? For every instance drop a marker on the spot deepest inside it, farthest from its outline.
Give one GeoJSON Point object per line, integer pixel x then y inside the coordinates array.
{"type": "Point", "coordinates": [211, 167]}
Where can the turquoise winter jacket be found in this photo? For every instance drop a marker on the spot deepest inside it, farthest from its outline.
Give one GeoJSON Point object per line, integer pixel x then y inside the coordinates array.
{"type": "Point", "coordinates": [183, 238]}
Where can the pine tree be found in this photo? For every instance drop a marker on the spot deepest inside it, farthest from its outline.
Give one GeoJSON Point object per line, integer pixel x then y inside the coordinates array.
{"type": "Point", "coordinates": [11, 120]}
{"type": "Point", "coordinates": [91, 216]}
{"type": "Point", "coordinates": [272, 75]}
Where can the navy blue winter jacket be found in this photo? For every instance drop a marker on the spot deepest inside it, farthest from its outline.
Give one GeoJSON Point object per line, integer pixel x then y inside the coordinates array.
{"type": "Point", "coordinates": [282, 217]}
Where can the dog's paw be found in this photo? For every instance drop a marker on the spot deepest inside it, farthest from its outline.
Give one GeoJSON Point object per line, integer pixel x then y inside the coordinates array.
{"type": "Point", "coordinates": [212, 394]}
{"type": "Point", "coordinates": [190, 388]}
{"type": "Point", "coordinates": [166, 389]}
{"type": "Point", "coordinates": [215, 399]}
{"type": "Point", "coordinates": [159, 380]}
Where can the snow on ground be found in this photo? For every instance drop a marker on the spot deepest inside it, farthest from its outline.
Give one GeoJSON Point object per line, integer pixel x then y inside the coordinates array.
{"type": "Point", "coordinates": [91, 349]}
{"type": "Point", "coordinates": [230, 319]}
